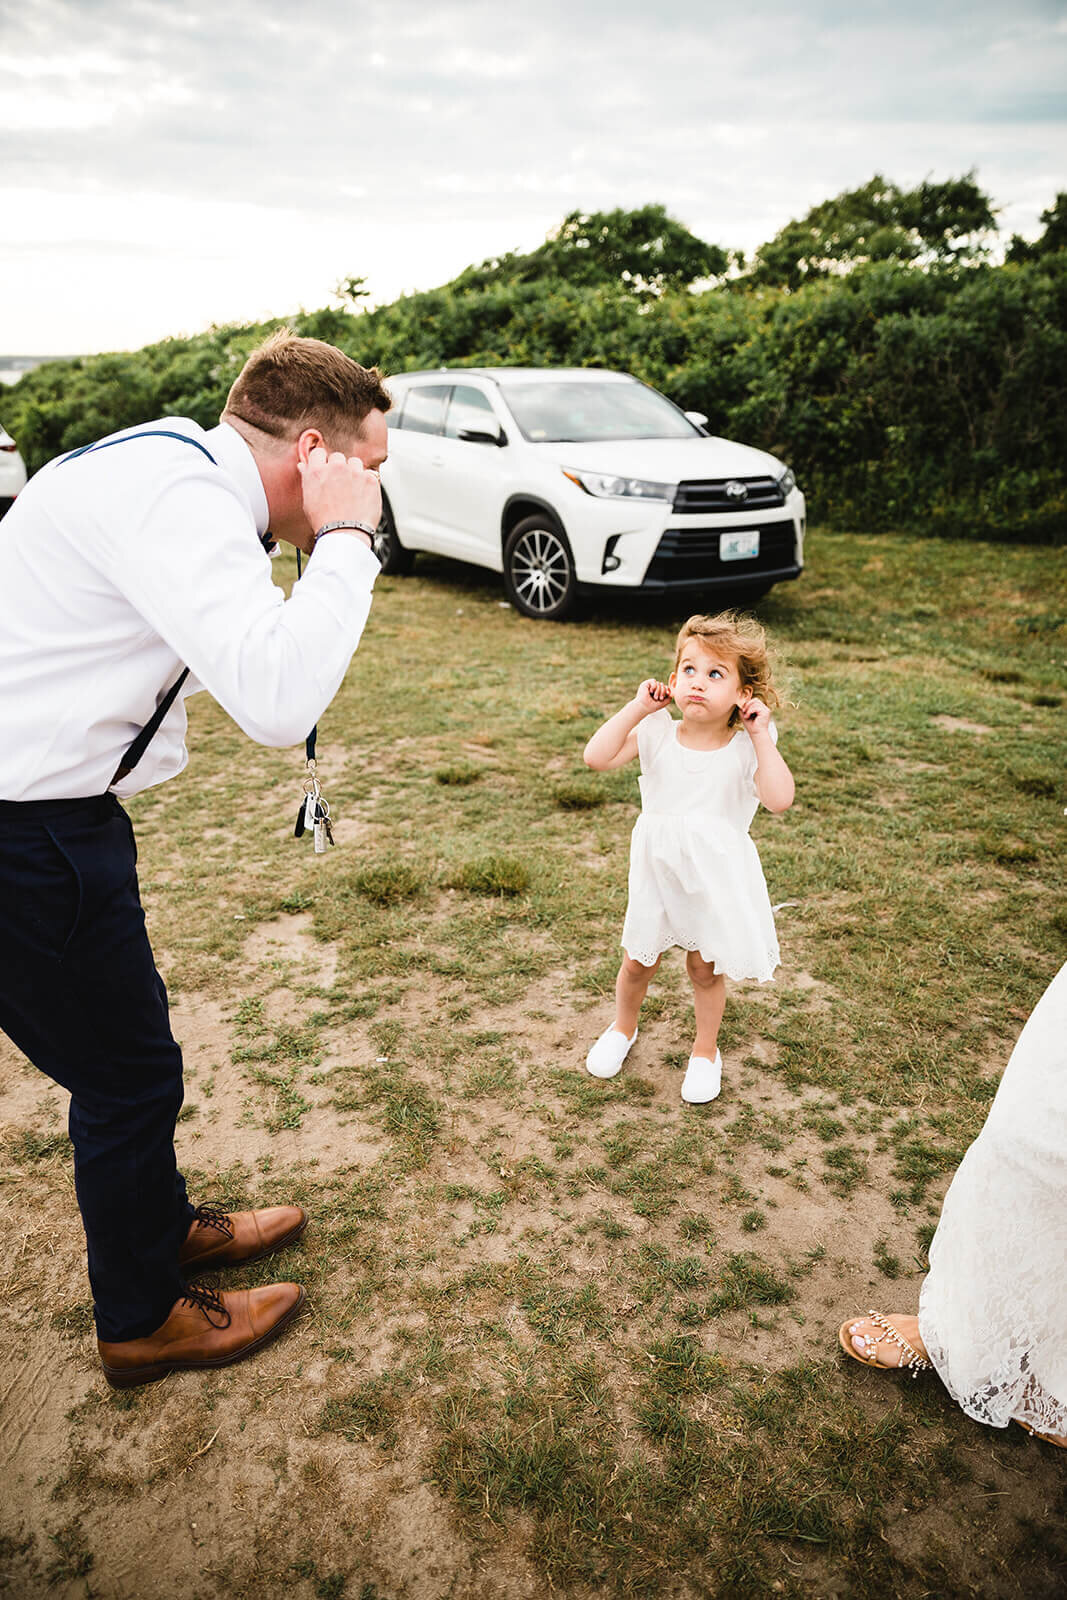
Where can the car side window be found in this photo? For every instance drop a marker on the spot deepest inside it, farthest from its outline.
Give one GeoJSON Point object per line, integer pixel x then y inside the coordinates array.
{"type": "Point", "coordinates": [424, 408]}
{"type": "Point", "coordinates": [470, 408]}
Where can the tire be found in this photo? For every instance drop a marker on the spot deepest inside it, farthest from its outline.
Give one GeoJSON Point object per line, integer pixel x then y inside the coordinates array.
{"type": "Point", "coordinates": [395, 560]}
{"type": "Point", "coordinates": [539, 569]}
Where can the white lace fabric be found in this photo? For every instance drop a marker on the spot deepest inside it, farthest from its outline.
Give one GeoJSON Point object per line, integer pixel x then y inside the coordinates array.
{"type": "Point", "coordinates": [993, 1309]}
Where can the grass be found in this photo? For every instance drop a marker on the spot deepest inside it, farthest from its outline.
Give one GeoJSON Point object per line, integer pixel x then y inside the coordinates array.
{"type": "Point", "coordinates": [388, 883]}
{"type": "Point", "coordinates": [587, 1334]}
{"type": "Point", "coordinates": [887, 1264]}
{"type": "Point", "coordinates": [578, 796]}
{"type": "Point", "coordinates": [745, 1281]}
{"type": "Point", "coordinates": [73, 1558]}
{"type": "Point", "coordinates": [493, 875]}
{"type": "Point", "coordinates": [457, 776]}
{"type": "Point", "coordinates": [27, 1145]}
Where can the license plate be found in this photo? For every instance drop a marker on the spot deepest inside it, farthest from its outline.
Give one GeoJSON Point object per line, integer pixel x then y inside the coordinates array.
{"type": "Point", "coordinates": [739, 546]}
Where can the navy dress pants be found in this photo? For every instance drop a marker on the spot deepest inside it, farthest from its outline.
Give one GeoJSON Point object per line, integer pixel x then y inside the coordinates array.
{"type": "Point", "coordinates": [81, 997]}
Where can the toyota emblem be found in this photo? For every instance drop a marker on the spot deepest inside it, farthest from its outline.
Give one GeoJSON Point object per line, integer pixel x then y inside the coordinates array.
{"type": "Point", "coordinates": [736, 490]}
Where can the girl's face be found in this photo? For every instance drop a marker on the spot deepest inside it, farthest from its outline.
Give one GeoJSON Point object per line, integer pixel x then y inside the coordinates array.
{"type": "Point", "coordinates": [705, 684]}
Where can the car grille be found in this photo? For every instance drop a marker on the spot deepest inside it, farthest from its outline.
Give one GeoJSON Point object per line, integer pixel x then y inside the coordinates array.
{"type": "Point", "coordinates": [701, 495]}
{"type": "Point", "coordinates": [687, 553]}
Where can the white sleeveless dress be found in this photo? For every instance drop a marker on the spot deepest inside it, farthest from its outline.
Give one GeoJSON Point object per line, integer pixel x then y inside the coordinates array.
{"type": "Point", "coordinates": [993, 1308]}
{"type": "Point", "coordinates": [695, 875]}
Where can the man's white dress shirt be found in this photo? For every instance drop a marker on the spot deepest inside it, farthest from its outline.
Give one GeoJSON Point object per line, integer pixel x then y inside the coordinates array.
{"type": "Point", "coordinates": [121, 566]}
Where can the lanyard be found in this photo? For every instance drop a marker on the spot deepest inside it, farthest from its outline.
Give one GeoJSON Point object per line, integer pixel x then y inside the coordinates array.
{"type": "Point", "coordinates": [314, 812]}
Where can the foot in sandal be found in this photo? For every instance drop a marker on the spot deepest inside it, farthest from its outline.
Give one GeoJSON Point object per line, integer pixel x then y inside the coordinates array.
{"type": "Point", "coordinates": [885, 1342]}
{"type": "Point", "coordinates": [894, 1342]}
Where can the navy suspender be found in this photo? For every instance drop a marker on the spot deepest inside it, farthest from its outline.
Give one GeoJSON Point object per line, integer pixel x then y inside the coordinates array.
{"type": "Point", "coordinates": [139, 745]}
{"type": "Point", "coordinates": [149, 433]}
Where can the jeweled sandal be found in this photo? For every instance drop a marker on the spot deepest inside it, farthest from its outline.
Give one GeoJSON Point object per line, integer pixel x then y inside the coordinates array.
{"type": "Point", "coordinates": [913, 1361]}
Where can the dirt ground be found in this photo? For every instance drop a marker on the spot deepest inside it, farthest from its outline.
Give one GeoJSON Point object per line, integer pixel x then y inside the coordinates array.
{"type": "Point", "coordinates": [566, 1337]}
{"type": "Point", "coordinates": [204, 1486]}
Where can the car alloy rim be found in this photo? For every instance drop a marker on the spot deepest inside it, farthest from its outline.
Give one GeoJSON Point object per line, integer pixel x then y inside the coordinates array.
{"type": "Point", "coordinates": [380, 541]}
{"type": "Point", "coordinates": [540, 570]}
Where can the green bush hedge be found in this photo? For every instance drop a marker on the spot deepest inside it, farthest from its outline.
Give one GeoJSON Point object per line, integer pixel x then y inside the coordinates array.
{"type": "Point", "coordinates": [915, 397]}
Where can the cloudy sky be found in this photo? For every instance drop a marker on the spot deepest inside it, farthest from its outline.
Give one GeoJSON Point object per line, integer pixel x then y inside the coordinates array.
{"type": "Point", "coordinates": [171, 163]}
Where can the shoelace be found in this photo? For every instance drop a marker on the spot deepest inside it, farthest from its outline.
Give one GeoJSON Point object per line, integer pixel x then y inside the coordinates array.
{"type": "Point", "coordinates": [213, 1217]}
{"type": "Point", "coordinates": [208, 1301]}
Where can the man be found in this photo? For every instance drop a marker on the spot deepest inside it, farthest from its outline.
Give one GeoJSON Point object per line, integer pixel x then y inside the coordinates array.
{"type": "Point", "coordinates": [121, 565]}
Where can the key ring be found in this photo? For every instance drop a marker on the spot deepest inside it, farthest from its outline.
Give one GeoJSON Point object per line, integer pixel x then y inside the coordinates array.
{"type": "Point", "coordinates": [314, 812]}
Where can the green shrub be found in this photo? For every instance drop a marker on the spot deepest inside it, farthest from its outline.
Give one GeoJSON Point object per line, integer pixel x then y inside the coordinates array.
{"type": "Point", "coordinates": [457, 777]}
{"type": "Point", "coordinates": [495, 874]}
{"type": "Point", "coordinates": [577, 797]}
{"type": "Point", "coordinates": [388, 883]}
{"type": "Point", "coordinates": [907, 394]}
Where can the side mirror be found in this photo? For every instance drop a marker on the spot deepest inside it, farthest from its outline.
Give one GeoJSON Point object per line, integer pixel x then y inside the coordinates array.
{"type": "Point", "coordinates": [486, 435]}
{"type": "Point", "coordinates": [698, 417]}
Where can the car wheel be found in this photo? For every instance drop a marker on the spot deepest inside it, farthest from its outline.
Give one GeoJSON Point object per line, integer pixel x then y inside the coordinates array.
{"type": "Point", "coordinates": [539, 569]}
{"type": "Point", "coordinates": [394, 558]}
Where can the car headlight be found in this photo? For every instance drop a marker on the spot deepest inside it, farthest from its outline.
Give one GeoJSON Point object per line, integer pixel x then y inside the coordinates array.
{"type": "Point", "coordinates": [787, 481]}
{"type": "Point", "coordinates": [606, 486]}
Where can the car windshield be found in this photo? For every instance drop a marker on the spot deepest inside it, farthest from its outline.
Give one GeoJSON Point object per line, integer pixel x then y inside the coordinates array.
{"type": "Point", "coordinates": [582, 411]}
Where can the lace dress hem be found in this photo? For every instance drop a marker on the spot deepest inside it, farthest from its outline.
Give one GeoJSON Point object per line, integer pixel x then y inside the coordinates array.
{"type": "Point", "coordinates": [736, 971]}
{"type": "Point", "coordinates": [1011, 1395]}
{"type": "Point", "coordinates": [993, 1305]}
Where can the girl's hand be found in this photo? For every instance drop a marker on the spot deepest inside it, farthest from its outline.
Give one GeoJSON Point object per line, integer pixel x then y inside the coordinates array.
{"type": "Point", "coordinates": [755, 716]}
{"type": "Point", "coordinates": [653, 695]}
{"type": "Point", "coordinates": [615, 743]}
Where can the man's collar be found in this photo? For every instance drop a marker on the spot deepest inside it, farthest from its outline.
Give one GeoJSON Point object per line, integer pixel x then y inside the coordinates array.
{"type": "Point", "coordinates": [236, 456]}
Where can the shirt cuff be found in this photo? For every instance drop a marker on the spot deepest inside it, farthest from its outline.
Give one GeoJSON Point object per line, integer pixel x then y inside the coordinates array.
{"type": "Point", "coordinates": [347, 553]}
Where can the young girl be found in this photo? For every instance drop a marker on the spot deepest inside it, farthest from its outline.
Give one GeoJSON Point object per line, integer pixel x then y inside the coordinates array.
{"type": "Point", "coordinates": [695, 876]}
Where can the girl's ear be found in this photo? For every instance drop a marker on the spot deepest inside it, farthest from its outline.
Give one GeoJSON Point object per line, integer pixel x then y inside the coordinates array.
{"type": "Point", "coordinates": [671, 681]}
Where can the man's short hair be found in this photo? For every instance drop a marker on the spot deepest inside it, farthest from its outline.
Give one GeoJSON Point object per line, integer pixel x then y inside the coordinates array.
{"type": "Point", "coordinates": [291, 383]}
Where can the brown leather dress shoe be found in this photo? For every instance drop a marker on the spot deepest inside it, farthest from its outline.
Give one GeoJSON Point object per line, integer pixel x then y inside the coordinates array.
{"type": "Point", "coordinates": [224, 1238]}
{"type": "Point", "coordinates": [204, 1329]}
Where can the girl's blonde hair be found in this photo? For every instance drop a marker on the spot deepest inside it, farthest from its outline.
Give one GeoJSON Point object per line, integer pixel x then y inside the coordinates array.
{"type": "Point", "coordinates": [741, 640]}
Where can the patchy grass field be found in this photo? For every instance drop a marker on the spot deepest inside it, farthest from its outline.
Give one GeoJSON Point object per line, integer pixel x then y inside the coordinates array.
{"type": "Point", "coordinates": [567, 1336]}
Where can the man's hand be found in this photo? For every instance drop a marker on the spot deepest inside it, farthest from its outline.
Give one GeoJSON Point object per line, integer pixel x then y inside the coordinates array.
{"type": "Point", "coordinates": [339, 488]}
{"type": "Point", "coordinates": [652, 696]}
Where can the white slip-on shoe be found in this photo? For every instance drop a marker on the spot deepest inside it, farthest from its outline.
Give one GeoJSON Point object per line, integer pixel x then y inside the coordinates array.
{"type": "Point", "coordinates": [703, 1079]}
{"type": "Point", "coordinates": [606, 1057]}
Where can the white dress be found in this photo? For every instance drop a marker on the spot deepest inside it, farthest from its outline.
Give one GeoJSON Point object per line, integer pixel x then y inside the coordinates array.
{"type": "Point", "coordinates": [993, 1309]}
{"type": "Point", "coordinates": [695, 875]}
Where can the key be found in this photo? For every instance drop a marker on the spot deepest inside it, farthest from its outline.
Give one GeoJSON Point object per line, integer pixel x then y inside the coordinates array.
{"type": "Point", "coordinates": [323, 830]}
{"type": "Point", "coordinates": [322, 818]}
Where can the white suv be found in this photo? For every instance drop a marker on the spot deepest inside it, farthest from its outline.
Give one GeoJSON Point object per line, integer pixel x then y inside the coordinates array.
{"type": "Point", "coordinates": [567, 479]}
{"type": "Point", "coordinates": [12, 471]}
